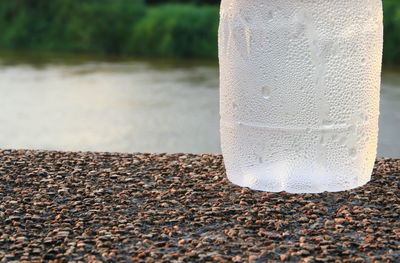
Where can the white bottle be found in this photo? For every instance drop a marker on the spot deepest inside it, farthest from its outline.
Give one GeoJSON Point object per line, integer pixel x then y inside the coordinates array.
{"type": "Point", "coordinates": [299, 95]}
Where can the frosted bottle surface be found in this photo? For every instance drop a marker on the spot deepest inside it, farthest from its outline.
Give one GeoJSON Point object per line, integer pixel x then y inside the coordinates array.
{"type": "Point", "coordinates": [299, 94]}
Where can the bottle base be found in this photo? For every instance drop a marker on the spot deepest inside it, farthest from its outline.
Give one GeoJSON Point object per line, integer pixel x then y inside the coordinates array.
{"type": "Point", "coordinates": [296, 160]}
{"type": "Point", "coordinates": [254, 183]}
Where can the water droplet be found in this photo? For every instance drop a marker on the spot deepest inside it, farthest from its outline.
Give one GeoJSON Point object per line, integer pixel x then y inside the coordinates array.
{"type": "Point", "coordinates": [234, 106]}
{"type": "Point", "coordinates": [270, 16]}
{"type": "Point", "coordinates": [266, 92]}
{"type": "Point", "coordinates": [260, 159]}
{"type": "Point", "coordinates": [327, 123]}
{"type": "Point", "coordinates": [322, 141]}
{"type": "Point", "coordinates": [353, 153]}
{"type": "Point", "coordinates": [342, 140]}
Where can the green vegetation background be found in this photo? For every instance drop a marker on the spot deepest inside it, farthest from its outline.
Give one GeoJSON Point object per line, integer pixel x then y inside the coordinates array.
{"type": "Point", "coordinates": [158, 28]}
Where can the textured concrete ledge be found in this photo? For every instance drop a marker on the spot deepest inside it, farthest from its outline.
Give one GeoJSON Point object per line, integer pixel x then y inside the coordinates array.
{"type": "Point", "coordinates": [97, 207]}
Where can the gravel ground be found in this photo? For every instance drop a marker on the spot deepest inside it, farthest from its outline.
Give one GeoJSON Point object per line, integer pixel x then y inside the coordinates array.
{"type": "Point", "coordinates": [97, 207]}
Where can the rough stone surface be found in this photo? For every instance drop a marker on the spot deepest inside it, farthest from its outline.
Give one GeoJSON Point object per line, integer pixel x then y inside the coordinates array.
{"type": "Point", "coordinates": [97, 207]}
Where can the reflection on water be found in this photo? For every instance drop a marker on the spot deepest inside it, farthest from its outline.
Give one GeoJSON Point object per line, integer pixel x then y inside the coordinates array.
{"type": "Point", "coordinates": [104, 104]}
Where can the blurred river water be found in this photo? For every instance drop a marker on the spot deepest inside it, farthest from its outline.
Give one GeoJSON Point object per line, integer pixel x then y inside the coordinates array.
{"type": "Point", "coordinates": [83, 103]}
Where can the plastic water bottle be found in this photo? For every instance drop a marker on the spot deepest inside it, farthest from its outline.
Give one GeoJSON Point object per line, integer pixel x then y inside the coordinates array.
{"type": "Point", "coordinates": [299, 95]}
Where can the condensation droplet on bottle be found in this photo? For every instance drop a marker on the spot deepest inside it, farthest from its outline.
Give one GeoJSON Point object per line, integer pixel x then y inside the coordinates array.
{"type": "Point", "coordinates": [352, 153]}
{"type": "Point", "coordinates": [270, 16]}
{"type": "Point", "coordinates": [322, 141]}
{"type": "Point", "coordinates": [234, 105]}
{"type": "Point", "coordinates": [327, 123]}
{"type": "Point", "coordinates": [266, 92]}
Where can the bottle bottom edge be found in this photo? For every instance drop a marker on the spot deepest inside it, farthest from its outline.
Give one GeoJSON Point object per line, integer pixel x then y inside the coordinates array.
{"type": "Point", "coordinates": [310, 188]}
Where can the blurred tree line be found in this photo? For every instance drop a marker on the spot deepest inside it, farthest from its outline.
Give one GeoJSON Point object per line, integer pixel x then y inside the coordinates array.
{"type": "Point", "coordinates": [391, 19]}
{"type": "Point", "coordinates": [196, 2]}
{"type": "Point", "coordinates": [110, 26]}
{"type": "Point", "coordinates": [162, 28]}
